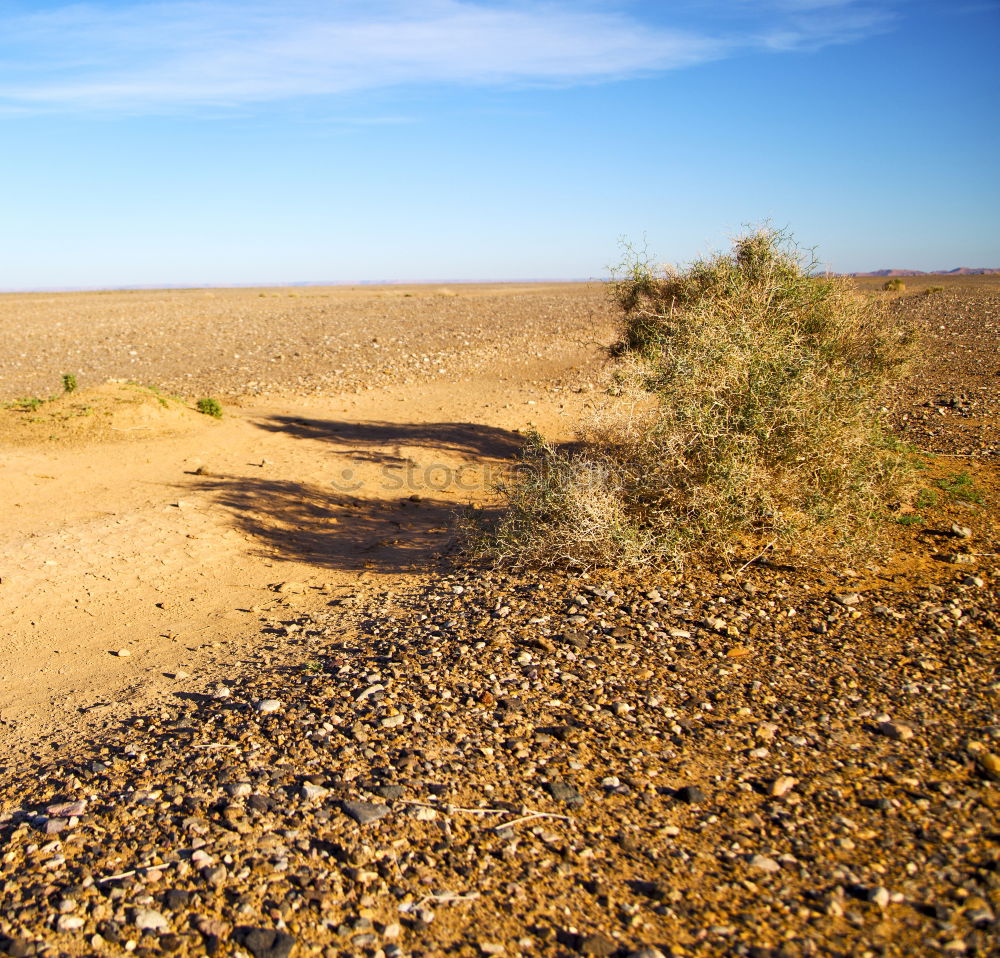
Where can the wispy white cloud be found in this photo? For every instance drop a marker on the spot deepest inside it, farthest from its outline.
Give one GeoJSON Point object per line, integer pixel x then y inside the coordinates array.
{"type": "Point", "coordinates": [177, 53]}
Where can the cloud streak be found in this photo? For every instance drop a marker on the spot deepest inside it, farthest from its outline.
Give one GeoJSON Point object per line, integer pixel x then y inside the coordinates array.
{"type": "Point", "coordinates": [183, 53]}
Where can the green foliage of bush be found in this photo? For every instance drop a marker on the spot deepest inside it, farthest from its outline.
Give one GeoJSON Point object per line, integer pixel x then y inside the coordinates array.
{"type": "Point", "coordinates": [894, 285]}
{"type": "Point", "coordinates": [209, 407]}
{"type": "Point", "coordinates": [742, 414]}
{"type": "Point", "coordinates": [69, 382]}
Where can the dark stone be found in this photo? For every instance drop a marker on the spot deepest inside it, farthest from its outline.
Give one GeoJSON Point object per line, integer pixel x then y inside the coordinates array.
{"type": "Point", "coordinates": [265, 942]}
{"type": "Point", "coordinates": [564, 792]}
{"type": "Point", "coordinates": [690, 794]}
{"type": "Point", "coordinates": [176, 899]}
{"type": "Point", "coordinates": [364, 812]}
{"type": "Point", "coordinates": [259, 803]}
{"type": "Point", "coordinates": [389, 792]}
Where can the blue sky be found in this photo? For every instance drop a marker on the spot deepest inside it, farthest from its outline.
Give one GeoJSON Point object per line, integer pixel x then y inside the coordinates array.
{"type": "Point", "coordinates": [189, 142]}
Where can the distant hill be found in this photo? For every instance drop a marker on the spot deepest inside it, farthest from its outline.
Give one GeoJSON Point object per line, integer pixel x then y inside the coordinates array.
{"type": "Point", "coordinates": [959, 271]}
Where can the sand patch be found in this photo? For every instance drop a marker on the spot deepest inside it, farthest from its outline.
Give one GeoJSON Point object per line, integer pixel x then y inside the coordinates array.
{"type": "Point", "coordinates": [113, 411]}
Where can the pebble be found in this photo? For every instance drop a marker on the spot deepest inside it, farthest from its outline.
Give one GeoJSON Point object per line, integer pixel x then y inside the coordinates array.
{"type": "Point", "coordinates": [766, 731]}
{"type": "Point", "coordinates": [265, 942]}
{"type": "Point", "coordinates": [895, 730]}
{"type": "Point", "coordinates": [598, 945]}
{"type": "Point", "coordinates": [146, 919]}
{"type": "Point", "coordinates": [782, 785]}
{"type": "Point", "coordinates": [879, 896]}
{"type": "Point", "coordinates": [564, 792]}
{"type": "Point", "coordinates": [312, 792]}
{"type": "Point", "coordinates": [990, 763]}
{"type": "Point", "coordinates": [123, 653]}
{"type": "Point", "coordinates": [690, 794]}
{"type": "Point", "coordinates": [364, 812]}
{"type": "Point", "coordinates": [764, 864]}
{"type": "Point", "coordinates": [847, 599]}
{"type": "Point", "coordinates": [266, 706]}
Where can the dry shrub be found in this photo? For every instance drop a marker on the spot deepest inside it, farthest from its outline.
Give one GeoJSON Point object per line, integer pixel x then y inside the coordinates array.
{"type": "Point", "coordinates": [894, 285]}
{"type": "Point", "coordinates": [743, 412]}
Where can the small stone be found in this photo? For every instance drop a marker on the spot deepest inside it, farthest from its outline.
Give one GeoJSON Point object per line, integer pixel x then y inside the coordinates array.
{"type": "Point", "coordinates": [221, 692]}
{"type": "Point", "coordinates": [238, 789]}
{"type": "Point", "coordinates": [265, 942]}
{"type": "Point", "coordinates": [690, 794]}
{"type": "Point", "coordinates": [597, 944]}
{"type": "Point", "coordinates": [765, 864]}
{"type": "Point", "coordinates": [216, 876]}
{"type": "Point", "coordinates": [148, 920]}
{"type": "Point", "coordinates": [766, 731]}
{"type": "Point", "coordinates": [847, 599]}
{"type": "Point", "coordinates": [990, 764]}
{"type": "Point", "coordinates": [646, 951]}
{"type": "Point", "coordinates": [962, 532]}
{"type": "Point", "coordinates": [70, 922]}
{"type": "Point", "coordinates": [67, 809]}
{"type": "Point", "coordinates": [266, 706]}
{"type": "Point", "coordinates": [292, 588]}
{"type": "Point", "coordinates": [564, 792]}
{"type": "Point", "coordinates": [879, 896]}
{"type": "Point", "coordinates": [392, 721]}
{"type": "Point", "coordinates": [895, 730]}
{"type": "Point", "coordinates": [782, 785]}
{"type": "Point", "coordinates": [491, 948]}
{"type": "Point", "coordinates": [312, 792]}
{"type": "Point", "coordinates": [122, 653]}
{"type": "Point", "coordinates": [178, 675]}
{"type": "Point", "coordinates": [364, 812]}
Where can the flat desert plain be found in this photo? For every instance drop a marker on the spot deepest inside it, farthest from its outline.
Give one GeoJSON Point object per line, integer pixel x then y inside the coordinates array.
{"type": "Point", "coordinates": [254, 702]}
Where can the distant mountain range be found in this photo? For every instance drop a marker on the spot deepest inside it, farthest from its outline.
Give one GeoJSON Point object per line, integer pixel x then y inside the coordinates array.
{"type": "Point", "coordinates": [960, 271]}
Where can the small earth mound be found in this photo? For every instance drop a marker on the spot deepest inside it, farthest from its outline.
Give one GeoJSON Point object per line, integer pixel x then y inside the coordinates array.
{"type": "Point", "coordinates": [114, 411]}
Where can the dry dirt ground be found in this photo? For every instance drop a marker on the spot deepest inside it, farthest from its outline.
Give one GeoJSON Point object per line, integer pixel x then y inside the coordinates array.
{"type": "Point", "coordinates": [131, 522]}
{"type": "Point", "coordinates": [331, 737]}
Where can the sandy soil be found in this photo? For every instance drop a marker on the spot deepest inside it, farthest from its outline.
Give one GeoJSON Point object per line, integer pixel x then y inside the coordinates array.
{"type": "Point", "coordinates": [133, 523]}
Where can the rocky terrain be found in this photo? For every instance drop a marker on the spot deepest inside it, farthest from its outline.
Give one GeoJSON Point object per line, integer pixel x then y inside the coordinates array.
{"type": "Point", "coordinates": [762, 760]}
{"type": "Point", "coordinates": [249, 343]}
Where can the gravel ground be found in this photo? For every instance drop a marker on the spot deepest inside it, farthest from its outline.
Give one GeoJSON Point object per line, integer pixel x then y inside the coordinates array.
{"type": "Point", "coordinates": [248, 343]}
{"type": "Point", "coordinates": [766, 761]}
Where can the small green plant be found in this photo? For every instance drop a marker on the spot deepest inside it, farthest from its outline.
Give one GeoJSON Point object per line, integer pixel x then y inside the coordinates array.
{"type": "Point", "coordinates": [209, 407]}
{"type": "Point", "coordinates": [931, 290]}
{"type": "Point", "coordinates": [69, 382]}
{"type": "Point", "coordinates": [910, 519]}
{"type": "Point", "coordinates": [26, 403]}
{"type": "Point", "coordinates": [894, 285]}
{"type": "Point", "coordinates": [961, 486]}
